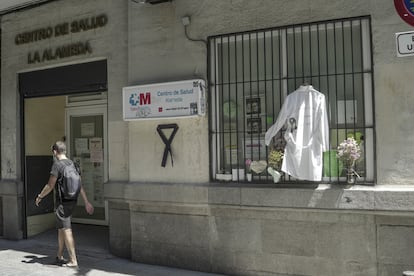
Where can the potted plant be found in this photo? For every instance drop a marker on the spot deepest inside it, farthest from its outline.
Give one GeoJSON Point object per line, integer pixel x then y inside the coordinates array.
{"type": "Point", "coordinates": [248, 162]}
{"type": "Point", "coordinates": [348, 152]}
{"type": "Point", "coordinates": [275, 161]}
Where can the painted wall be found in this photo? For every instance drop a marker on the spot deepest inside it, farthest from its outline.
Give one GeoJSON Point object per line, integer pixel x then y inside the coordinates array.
{"type": "Point", "coordinates": [44, 125]}
{"type": "Point", "coordinates": [42, 129]}
{"type": "Point", "coordinates": [159, 51]}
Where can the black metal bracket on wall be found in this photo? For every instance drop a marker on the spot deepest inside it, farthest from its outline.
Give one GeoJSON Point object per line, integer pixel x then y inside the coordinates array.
{"type": "Point", "coordinates": [167, 141]}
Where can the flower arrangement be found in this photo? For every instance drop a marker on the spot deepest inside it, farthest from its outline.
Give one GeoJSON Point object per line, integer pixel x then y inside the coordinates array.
{"type": "Point", "coordinates": [275, 159]}
{"type": "Point", "coordinates": [348, 152]}
{"type": "Point", "coordinates": [248, 162]}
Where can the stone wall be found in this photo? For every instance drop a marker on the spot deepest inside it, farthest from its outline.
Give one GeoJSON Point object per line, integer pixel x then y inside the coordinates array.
{"type": "Point", "coordinates": [120, 232]}
{"type": "Point", "coordinates": [237, 230]}
{"type": "Point", "coordinates": [1, 217]}
{"type": "Point", "coordinates": [11, 194]}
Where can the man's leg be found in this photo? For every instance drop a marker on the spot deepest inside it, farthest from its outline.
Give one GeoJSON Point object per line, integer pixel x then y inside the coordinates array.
{"type": "Point", "coordinates": [70, 246]}
{"type": "Point", "coordinates": [61, 244]}
{"type": "Point", "coordinates": [59, 213]}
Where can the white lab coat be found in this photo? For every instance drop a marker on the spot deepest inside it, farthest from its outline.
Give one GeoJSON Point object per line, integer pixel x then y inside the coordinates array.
{"type": "Point", "coordinates": [307, 133]}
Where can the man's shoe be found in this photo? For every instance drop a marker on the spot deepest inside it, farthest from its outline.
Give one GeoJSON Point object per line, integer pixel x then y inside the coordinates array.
{"type": "Point", "coordinates": [61, 261]}
{"type": "Point", "coordinates": [70, 265]}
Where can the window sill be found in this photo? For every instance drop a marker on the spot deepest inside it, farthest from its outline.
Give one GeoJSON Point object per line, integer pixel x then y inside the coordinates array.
{"type": "Point", "coordinates": [327, 197]}
{"type": "Point", "coordinates": [315, 196]}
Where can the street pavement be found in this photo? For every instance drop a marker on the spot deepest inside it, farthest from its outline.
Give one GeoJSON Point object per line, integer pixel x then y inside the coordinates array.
{"type": "Point", "coordinates": [36, 256]}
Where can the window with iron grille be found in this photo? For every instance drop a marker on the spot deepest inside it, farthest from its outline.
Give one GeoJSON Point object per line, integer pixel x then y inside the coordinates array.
{"type": "Point", "coordinates": [251, 73]}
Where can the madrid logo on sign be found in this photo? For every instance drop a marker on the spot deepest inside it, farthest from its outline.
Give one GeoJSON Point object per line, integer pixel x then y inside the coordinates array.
{"type": "Point", "coordinates": [140, 99]}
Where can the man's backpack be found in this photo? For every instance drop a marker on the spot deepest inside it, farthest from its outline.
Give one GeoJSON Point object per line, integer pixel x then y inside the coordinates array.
{"type": "Point", "coordinates": [71, 183]}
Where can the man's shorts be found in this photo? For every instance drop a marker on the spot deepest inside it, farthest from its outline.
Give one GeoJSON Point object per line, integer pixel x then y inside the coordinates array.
{"type": "Point", "coordinates": [64, 214]}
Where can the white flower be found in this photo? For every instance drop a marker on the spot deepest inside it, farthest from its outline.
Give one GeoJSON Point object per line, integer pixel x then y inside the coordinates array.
{"type": "Point", "coordinates": [348, 152]}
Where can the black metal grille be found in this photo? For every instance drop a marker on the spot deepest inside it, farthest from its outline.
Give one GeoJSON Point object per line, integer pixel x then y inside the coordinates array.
{"type": "Point", "coordinates": [251, 73]}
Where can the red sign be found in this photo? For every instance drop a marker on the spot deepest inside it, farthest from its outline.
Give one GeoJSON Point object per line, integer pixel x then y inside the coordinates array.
{"type": "Point", "coordinates": [405, 9]}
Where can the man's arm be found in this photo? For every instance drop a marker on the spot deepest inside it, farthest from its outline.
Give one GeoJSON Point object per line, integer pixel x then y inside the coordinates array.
{"type": "Point", "coordinates": [46, 189]}
{"type": "Point", "coordinates": [88, 206]}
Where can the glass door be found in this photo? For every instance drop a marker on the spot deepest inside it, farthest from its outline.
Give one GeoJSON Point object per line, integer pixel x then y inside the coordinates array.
{"type": "Point", "coordinates": [86, 135]}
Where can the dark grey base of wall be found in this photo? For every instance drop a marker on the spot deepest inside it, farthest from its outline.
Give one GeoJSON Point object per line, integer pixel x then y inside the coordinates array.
{"type": "Point", "coordinates": [11, 206]}
{"type": "Point", "coordinates": [1, 218]}
{"type": "Point", "coordinates": [120, 229]}
{"type": "Point", "coordinates": [266, 242]}
{"type": "Point", "coordinates": [258, 240]}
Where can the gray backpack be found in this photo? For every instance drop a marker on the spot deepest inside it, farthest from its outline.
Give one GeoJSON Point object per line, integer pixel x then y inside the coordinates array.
{"type": "Point", "coordinates": [71, 183]}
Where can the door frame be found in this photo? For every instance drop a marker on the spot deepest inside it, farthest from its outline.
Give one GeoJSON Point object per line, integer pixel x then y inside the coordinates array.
{"type": "Point", "coordinates": [55, 85]}
{"type": "Point", "coordinates": [90, 110]}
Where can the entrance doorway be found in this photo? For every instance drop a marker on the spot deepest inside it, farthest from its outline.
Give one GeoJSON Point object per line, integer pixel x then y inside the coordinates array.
{"type": "Point", "coordinates": [80, 121]}
{"type": "Point", "coordinates": [69, 103]}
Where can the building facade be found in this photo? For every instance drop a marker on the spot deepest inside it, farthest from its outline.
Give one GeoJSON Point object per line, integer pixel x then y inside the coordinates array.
{"type": "Point", "coordinates": [65, 64]}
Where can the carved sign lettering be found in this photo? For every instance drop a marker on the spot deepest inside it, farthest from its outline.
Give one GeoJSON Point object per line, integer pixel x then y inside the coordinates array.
{"type": "Point", "coordinates": [59, 30]}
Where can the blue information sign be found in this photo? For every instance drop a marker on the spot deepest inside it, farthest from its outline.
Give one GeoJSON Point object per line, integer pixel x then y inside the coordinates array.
{"type": "Point", "coordinates": [409, 4]}
{"type": "Point", "coordinates": [405, 9]}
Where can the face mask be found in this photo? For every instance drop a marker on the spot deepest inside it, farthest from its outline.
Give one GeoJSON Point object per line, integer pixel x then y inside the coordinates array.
{"type": "Point", "coordinates": [54, 158]}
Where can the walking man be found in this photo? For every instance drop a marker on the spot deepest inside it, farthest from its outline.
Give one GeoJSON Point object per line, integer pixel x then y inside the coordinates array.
{"type": "Point", "coordinates": [64, 206]}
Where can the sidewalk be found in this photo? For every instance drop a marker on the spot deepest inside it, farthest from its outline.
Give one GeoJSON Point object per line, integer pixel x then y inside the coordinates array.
{"type": "Point", "coordinates": [35, 256]}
